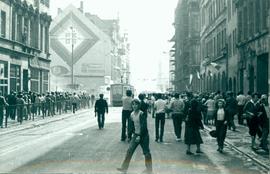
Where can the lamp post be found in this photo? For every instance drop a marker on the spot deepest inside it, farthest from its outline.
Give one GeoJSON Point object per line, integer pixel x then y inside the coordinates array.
{"type": "Point", "coordinates": [72, 62]}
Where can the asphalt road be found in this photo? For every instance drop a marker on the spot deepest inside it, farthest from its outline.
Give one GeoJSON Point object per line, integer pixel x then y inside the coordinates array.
{"type": "Point", "coordinates": [76, 145]}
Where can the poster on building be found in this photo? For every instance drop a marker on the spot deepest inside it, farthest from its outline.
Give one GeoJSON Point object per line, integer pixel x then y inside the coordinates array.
{"type": "Point", "coordinates": [2, 70]}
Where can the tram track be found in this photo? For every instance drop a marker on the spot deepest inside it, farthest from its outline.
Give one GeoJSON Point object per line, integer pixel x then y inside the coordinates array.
{"type": "Point", "coordinates": [263, 166]}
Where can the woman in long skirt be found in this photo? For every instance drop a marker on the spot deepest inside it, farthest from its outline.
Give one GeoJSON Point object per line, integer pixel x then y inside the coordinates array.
{"type": "Point", "coordinates": [193, 124]}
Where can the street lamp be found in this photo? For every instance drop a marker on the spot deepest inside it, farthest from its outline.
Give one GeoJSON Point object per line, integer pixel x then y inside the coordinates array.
{"type": "Point", "coordinates": [72, 61]}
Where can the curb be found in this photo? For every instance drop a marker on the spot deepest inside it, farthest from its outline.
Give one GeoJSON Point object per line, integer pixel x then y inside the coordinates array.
{"type": "Point", "coordinates": [41, 124]}
{"type": "Point", "coordinates": [258, 162]}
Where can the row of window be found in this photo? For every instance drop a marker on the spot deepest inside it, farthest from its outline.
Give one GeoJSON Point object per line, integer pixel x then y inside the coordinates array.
{"type": "Point", "coordinates": [212, 11]}
{"type": "Point", "coordinates": [25, 30]}
{"type": "Point", "coordinates": [3, 23]}
{"type": "Point", "coordinates": [252, 18]}
{"type": "Point", "coordinates": [39, 79]}
{"type": "Point", "coordinates": [215, 45]}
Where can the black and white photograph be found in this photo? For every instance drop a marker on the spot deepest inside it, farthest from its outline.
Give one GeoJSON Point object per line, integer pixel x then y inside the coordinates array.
{"type": "Point", "coordinates": [134, 86]}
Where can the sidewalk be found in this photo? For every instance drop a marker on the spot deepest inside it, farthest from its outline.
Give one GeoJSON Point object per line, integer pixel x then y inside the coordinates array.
{"type": "Point", "coordinates": [240, 141]}
{"type": "Point", "coordinates": [14, 126]}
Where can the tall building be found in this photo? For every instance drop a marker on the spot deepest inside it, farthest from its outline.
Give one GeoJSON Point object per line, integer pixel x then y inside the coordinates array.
{"type": "Point", "coordinates": [232, 51]}
{"type": "Point", "coordinates": [253, 45]}
{"type": "Point", "coordinates": [213, 54]}
{"type": "Point", "coordinates": [187, 44]}
{"type": "Point", "coordinates": [87, 51]}
{"type": "Point", "coordinates": [24, 46]}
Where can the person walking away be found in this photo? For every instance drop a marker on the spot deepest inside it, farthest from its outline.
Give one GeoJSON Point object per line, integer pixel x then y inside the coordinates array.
{"type": "Point", "coordinates": [74, 99]}
{"type": "Point", "coordinates": [20, 108]}
{"type": "Point", "coordinates": [193, 124]}
{"type": "Point", "coordinates": [11, 100]}
{"type": "Point", "coordinates": [264, 122]}
{"type": "Point", "coordinates": [101, 106]}
{"type": "Point", "coordinates": [211, 105]}
{"type": "Point", "coordinates": [92, 98]}
{"type": "Point", "coordinates": [3, 105]}
{"type": "Point", "coordinates": [177, 107]}
{"type": "Point", "coordinates": [221, 120]}
{"type": "Point", "coordinates": [140, 137]}
{"type": "Point", "coordinates": [241, 100]}
{"type": "Point", "coordinates": [159, 108]}
{"type": "Point", "coordinates": [126, 111]}
{"type": "Point", "coordinates": [231, 109]}
{"type": "Point", "coordinates": [43, 105]}
{"type": "Point", "coordinates": [143, 106]}
{"type": "Point", "coordinates": [153, 100]}
{"type": "Point", "coordinates": [251, 114]}
{"type": "Point", "coordinates": [48, 105]}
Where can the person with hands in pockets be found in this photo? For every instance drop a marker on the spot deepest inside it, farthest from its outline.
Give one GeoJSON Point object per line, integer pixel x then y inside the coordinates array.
{"type": "Point", "coordinates": [140, 137]}
{"type": "Point", "coordinates": [101, 106]}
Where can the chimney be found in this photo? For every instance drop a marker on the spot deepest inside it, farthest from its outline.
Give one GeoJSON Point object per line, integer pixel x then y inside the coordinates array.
{"type": "Point", "coordinates": [81, 6]}
{"type": "Point", "coordinates": [59, 10]}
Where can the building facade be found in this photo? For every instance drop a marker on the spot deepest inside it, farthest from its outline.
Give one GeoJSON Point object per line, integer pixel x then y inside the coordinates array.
{"type": "Point", "coordinates": [213, 53]}
{"type": "Point", "coordinates": [253, 45]}
{"type": "Point", "coordinates": [187, 44]}
{"type": "Point", "coordinates": [88, 48]}
{"type": "Point", "coordinates": [24, 46]}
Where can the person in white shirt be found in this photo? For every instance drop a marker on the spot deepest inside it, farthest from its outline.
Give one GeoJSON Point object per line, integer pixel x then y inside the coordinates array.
{"type": "Point", "coordinates": [126, 111]}
{"type": "Point", "coordinates": [241, 101]}
{"type": "Point", "coordinates": [159, 108]}
{"type": "Point", "coordinates": [177, 106]}
{"type": "Point", "coordinates": [221, 124]}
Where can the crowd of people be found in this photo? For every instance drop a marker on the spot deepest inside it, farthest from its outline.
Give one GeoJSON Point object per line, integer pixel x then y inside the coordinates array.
{"type": "Point", "coordinates": [195, 110]}
{"type": "Point", "coordinates": [27, 105]}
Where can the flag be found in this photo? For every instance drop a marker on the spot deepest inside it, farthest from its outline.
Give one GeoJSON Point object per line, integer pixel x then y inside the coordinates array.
{"type": "Point", "coordinates": [190, 78]}
{"type": "Point", "coordinates": [198, 75]}
{"type": "Point", "coordinates": [215, 65]}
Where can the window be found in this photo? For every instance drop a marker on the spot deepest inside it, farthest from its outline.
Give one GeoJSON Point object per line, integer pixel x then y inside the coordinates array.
{"type": "Point", "coordinates": [230, 45]}
{"type": "Point", "coordinates": [41, 37]}
{"type": "Point", "coordinates": [13, 24]}
{"type": "Point", "coordinates": [258, 19]}
{"type": "Point", "coordinates": [46, 40]}
{"type": "Point", "coordinates": [240, 26]}
{"type": "Point", "coordinates": [45, 77]}
{"type": "Point", "coordinates": [245, 23]}
{"type": "Point", "coordinates": [35, 80]}
{"type": "Point", "coordinates": [25, 31]}
{"type": "Point", "coordinates": [251, 19]}
{"type": "Point", "coordinates": [19, 28]}
{"type": "Point", "coordinates": [229, 9]}
{"type": "Point", "coordinates": [32, 33]}
{"type": "Point", "coordinates": [3, 24]}
{"type": "Point", "coordinates": [15, 77]}
{"type": "Point", "coordinates": [264, 13]}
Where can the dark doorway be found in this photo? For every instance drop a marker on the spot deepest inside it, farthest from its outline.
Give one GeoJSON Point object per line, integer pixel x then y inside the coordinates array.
{"type": "Point", "coordinates": [241, 80]}
{"type": "Point", "coordinates": [251, 78]}
{"type": "Point", "coordinates": [25, 80]}
{"type": "Point", "coordinates": [262, 74]}
{"type": "Point", "coordinates": [230, 84]}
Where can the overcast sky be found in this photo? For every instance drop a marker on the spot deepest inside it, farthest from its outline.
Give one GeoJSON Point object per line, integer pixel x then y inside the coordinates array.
{"type": "Point", "coordinates": [149, 26]}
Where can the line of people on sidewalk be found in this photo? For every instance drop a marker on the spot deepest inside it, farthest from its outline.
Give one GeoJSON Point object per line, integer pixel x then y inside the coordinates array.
{"type": "Point", "coordinates": [28, 105]}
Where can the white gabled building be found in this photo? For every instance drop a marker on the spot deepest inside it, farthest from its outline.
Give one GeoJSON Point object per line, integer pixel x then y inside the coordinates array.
{"type": "Point", "coordinates": [91, 56]}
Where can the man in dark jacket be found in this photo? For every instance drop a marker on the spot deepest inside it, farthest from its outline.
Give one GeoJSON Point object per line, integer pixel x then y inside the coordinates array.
{"type": "Point", "coordinates": [231, 110]}
{"type": "Point", "coordinates": [101, 107]}
{"type": "Point", "coordinates": [3, 104]}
